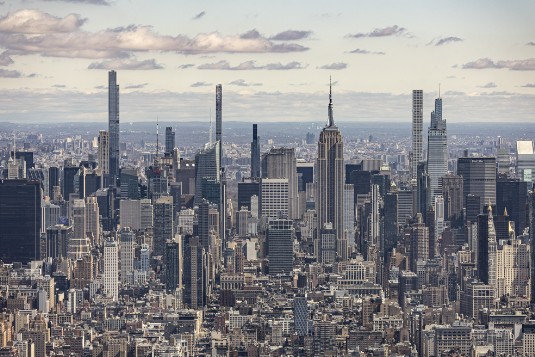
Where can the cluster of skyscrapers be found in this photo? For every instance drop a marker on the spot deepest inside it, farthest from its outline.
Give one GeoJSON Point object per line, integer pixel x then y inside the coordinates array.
{"type": "Point", "coordinates": [109, 247]}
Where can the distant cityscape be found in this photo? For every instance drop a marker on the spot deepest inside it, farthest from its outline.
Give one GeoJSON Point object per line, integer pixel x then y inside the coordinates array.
{"type": "Point", "coordinates": [267, 239]}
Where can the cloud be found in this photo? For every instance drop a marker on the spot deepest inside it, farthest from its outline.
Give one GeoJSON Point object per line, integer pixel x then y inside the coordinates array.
{"type": "Point", "coordinates": [250, 35]}
{"type": "Point", "coordinates": [454, 93]}
{"type": "Point", "coordinates": [8, 73]}
{"type": "Point", "coordinates": [250, 65]}
{"type": "Point", "coordinates": [334, 66]}
{"type": "Point", "coordinates": [186, 66]}
{"type": "Point", "coordinates": [92, 2]}
{"type": "Point", "coordinates": [515, 65]}
{"type": "Point", "coordinates": [126, 64]}
{"type": "Point", "coordinates": [199, 15]}
{"type": "Point", "coordinates": [359, 51]}
{"type": "Point", "coordinates": [291, 35]}
{"type": "Point", "coordinates": [530, 43]}
{"type": "Point", "coordinates": [529, 85]}
{"type": "Point", "coordinates": [489, 85]}
{"type": "Point", "coordinates": [394, 30]}
{"type": "Point", "coordinates": [59, 86]}
{"type": "Point", "coordinates": [243, 83]}
{"type": "Point", "coordinates": [37, 22]}
{"type": "Point", "coordinates": [200, 84]}
{"type": "Point", "coordinates": [136, 86]}
{"type": "Point", "coordinates": [446, 40]}
{"type": "Point", "coordinates": [36, 32]}
{"type": "Point", "coordinates": [5, 60]}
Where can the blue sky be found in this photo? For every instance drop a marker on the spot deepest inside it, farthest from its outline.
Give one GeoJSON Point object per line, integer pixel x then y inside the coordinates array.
{"type": "Point", "coordinates": [274, 59]}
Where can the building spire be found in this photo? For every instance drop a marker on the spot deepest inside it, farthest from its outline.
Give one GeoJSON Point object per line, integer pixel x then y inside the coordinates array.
{"type": "Point", "coordinates": [330, 110]}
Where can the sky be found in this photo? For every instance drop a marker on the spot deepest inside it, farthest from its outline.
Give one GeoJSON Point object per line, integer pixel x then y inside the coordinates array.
{"type": "Point", "coordinates": [274, 59]}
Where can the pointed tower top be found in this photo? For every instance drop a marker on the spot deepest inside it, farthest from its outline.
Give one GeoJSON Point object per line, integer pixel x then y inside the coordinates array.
{"type": "Point", "coordinates": [439, 90]}
{"type": "Point", "coordinates": [505, 212]}
{"type": "Point", "coordinates": [330, 108]}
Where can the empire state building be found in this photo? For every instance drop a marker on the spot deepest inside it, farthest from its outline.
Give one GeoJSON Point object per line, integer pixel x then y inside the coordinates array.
{"type": "Point", "coordinates": [330, 179]}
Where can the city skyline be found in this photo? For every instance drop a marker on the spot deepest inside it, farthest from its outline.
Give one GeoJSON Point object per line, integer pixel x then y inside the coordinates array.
{"type": "Point", "coordinates": [171, 56]}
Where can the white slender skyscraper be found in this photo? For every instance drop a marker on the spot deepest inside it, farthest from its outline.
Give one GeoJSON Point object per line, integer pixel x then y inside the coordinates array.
{"type": "Point", "coordinates": [111, 269]}
{"type": "Point", "coordinates": [113, 126]}
{"type": "Point", "coordinates": [437, 150]}
{"type": "Point", "coordinates": [330, 178]}
{"type": "Point", "coordinates": [417, 127]}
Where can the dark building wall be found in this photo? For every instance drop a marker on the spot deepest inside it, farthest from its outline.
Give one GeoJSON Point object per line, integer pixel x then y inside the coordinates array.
{"type": "Point", "coordinates": [20, 218]}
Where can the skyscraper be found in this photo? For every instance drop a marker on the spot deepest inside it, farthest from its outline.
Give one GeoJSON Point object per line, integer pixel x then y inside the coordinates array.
{"type": "Point", "coordinates": [437, 149]}
{"type": "Point", "coordinates": [219, 119]}
{"type": "Point", "coordinates": [113, 126]}
{"type": "Point", "coordinates": [169, 140]}
{"type": "Point", "coordinates": [280, 163]}
{"type": "Point", "coordinates": [255, 154]}
{"type": "Point", "coordinates": [330, 178]}
{"type": "Point", "coordinates": [104, 156]}
{"type": "Point", "coordinates": [280, 246]}
{"type": "Point", "coordinates": [163, 223]}
{"type": "Point", "coordinates": [127, 247]}
{"type": "Point", "coordinates": [111, 269]}
{"type": "Point", "coordinates": [20, 214]}
{"type": "Point", "coordinates": [207, 174]}
{"type": "Point", "coordinates": [479, 177]}
{"type": "Point", "coordinates": [417, 127]}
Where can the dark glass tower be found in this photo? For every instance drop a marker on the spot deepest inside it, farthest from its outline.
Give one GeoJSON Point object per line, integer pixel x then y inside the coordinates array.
{"type": "Point", "coordinates": [479, 177]}
{"type": "Point", "coordinates": [169, 140]}
{"type": "Point", "coordinates": [255, 154]}
{"type": "Point", "coordinates": [20, 217]}
{"type": "Point", "coordinates": [53, 179]}
{"type": "Point", "coordinates": [113, 125]}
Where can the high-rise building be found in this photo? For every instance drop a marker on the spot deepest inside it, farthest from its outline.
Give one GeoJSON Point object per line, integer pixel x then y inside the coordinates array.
{"type": "Point", "coordinates": [113, 126]}
{"type": "Point", "coordinates": [437, 150]}
{"type": "Point", "coordinates": [207, 174]}
{"type": "Point", "coordinates": [20, 217]}
{"type": "Point", "coordinates": [417, 127]}
{"type": "Point", "coordinates": [111, 269]}
{"type": "Point", "coordinates": [479, 177]}
{"type": "Point", "coordinates": [280, 246]}
{"type": "Point", "coordinates": [169, 140]}
{"type": "Point", "coordinates": [419, 242]}
{"type": "Point", "coordinates": [219, 121]}
{"type": "Point", "coordinates": [349, 215]}
{"type": "Point", "coordinates": [70, 172]}
{"type": "Point", "coordinates": [255, 153]}
{"type": "Point", "coordinates": [326, 245]}
{"type": "Point", "coordinates": [126, 249]}
{"type": "Point", "coordinates": [330, 177]}
{"type": "Point", "coordinates": [194, 273]}
{"type": "Point", "coordinates": [274, 198]}
{"type": "Point", "coordinates": [246, 190]}
{"type": "Point", "coordinates": [173, 269]}
{"type": "Point", "coordinates": [163, 223]}
{"type": "Point", "coordinates": [513, 267]}
{"type": "Point", "coordinates": [531, 223]}
{"type": "Point", "coordinates": [525, 161]}
{"type": "Point", "coordinates": [452, 191]}
{"type": "Point", "coordinates": [104, 156]}
{"type": "Point", "coordinates": [279, 163]}
{"type": "Point", "coordinates": [79, 244]}
{"type": "Point", "coordinates": [92, 219]}
{"type": "Point", "coordinates": [511, 197]}
{"type": "Point", "coordinates": [53, 180]}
